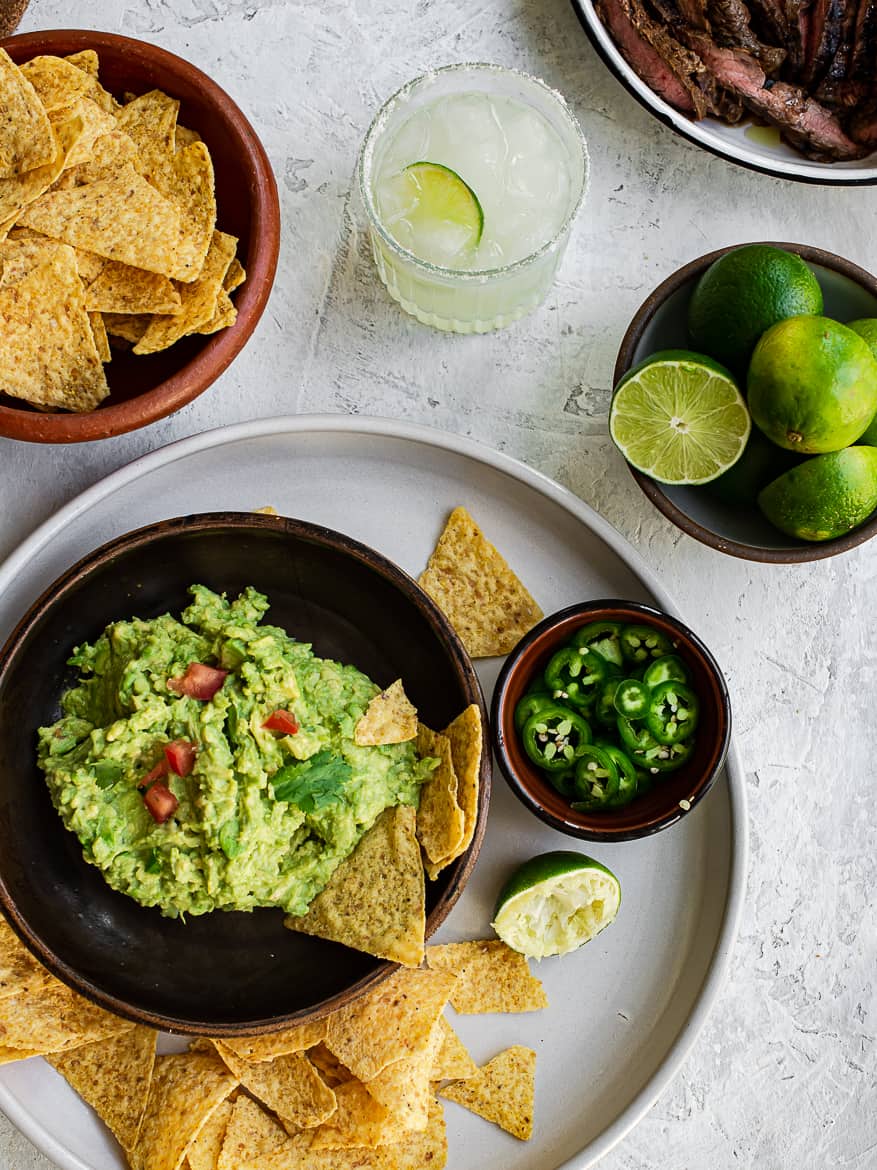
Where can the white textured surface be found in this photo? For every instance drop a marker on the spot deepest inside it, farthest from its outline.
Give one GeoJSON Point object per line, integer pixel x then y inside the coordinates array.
{"type": "Point", "coordinates": [785, 1074]}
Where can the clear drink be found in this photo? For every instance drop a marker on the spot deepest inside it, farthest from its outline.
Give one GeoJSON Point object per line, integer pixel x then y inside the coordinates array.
{"type": "Point", "coordinates": [471, 178]}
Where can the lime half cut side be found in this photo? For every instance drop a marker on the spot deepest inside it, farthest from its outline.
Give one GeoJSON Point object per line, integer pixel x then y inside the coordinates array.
{"type": "Point", "coordinates": [679, 418]}
{"type": "Point", "coordinates": [434, 213]}
{"type": "Point", "coordinates": [555, 903]}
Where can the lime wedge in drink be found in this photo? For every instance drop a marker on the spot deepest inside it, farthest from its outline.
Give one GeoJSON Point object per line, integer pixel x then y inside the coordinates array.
{"type": "Point", "coordinates": [434, 213]}
{"type": "Point", "coordinates": [555, 902]}
{"type": "Point", "coordinates": [679, 418]}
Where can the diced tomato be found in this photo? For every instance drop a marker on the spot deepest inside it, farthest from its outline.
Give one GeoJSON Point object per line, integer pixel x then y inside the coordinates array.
{"type": "Point", "coordinates": [161, 769]}
{"type": "Point", "coordinates": [180, 756]}
{"type": "Point", "coordinates": [161, 802]}
{"type": "Point", "coordinates": [199, 681]}
{"type": "Point", "coordinates": [281, 720]}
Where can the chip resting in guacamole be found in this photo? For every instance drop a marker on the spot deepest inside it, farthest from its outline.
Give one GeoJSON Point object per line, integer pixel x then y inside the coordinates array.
{"type": "Point", "coordinates": [209, 763]}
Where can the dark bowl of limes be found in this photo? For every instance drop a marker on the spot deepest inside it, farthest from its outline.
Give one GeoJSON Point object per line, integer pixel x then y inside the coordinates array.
{"type": "Point", "coordinates": [745, 401]}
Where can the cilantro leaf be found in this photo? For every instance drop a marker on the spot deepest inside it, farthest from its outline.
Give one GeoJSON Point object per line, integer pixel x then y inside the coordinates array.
{"type": "Point", "coordinates": [312, 784]}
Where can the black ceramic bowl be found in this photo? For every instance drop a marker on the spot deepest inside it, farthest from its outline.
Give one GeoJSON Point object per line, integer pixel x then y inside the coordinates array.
{"type": "Point", "coordinates": [674, 794]}
{"type": "Point", "coordinates": [228, 972]}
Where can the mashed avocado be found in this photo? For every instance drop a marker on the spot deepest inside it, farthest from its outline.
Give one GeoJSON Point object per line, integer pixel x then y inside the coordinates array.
{"type": "Point", "coordinates": [264, 819]}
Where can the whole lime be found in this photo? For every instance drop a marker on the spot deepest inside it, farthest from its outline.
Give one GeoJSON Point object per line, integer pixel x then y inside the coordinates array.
{"type": "Point", "coordinates": [824, 497]}
{"type": "Point", "coordinates": [742, 294]}
{"type": "Point", "coordinates": [866, 327]}
{"type": "Point", "coordinates": [812, 385]}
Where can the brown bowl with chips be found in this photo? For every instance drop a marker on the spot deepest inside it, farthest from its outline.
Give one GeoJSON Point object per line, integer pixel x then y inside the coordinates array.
{"type": "Point", "coordinates": [231, 972]}
{"type": "Point", "coordinates": [139, 228]}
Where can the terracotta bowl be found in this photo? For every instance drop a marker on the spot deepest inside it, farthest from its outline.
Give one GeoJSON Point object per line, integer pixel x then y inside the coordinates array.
{"type": "Point", "coordinates": [144, 389]}
{"type": "Point", "coordinates": [673, 796]}
{"type": "Point", "coordinates": [228, 972]}
{"type": "Point", "coordinates": [849, 292]}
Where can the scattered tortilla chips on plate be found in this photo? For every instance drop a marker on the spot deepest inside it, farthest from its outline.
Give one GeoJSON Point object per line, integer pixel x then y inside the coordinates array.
{"type": "Point", "coordinates": [250, 1134]}
{"type": "Point", "coordinates": [10, 1055]}
{"type": "Point", "coordinates": [427, 1150]}
{"type": "Point", "coordinates": [391, 1022]}
{"type": "Point", "coordinates": [20, 972]}
{"type": "Point", "coordinates": [54, 1018]}
{"type": "Point", "coordinates": [502, 1091]}
{"type": "Point", "coordinates": [329, 1066]}
{"type": "Point", "coordinates": [480, 595]}
{"type": "Point", "coordinates": [185, 1090]}
{"type": "Point", "coordinates": [375, 901]}
{"type": "Point", "coordinates": [403, 1087]}
{"type": "Point", "coordinates": [441, 823]}
{"type": "Point", "coordinates": [298, 1038]}
{"type": "Point", "coordinates": [359, 1121]}
{"type": "Point", "coordinates": [390, 717]}
{"type": "Point", "coordinates": [26, 139]}
{"type": "Point", "coordinates": [205, 1152]}
{"type": "Point", "coordinates": [113, 1076]}
{"type": "Point", "coordinates": [289, 1085]}
{"type": "Point", "coordinates": [490, 977]}
{"type": "Point", "coordinates": [452, 1061]}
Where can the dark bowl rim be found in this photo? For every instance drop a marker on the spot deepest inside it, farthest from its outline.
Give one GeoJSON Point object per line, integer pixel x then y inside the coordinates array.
{"type": "Point", "coordinates": [519, 786]}
{"type": "Point", "coordinates": [713, 148]}
{"type": "Point", "coordinates": [220, 350]}
{"type": "Point", "coordinates": [461, 663]}
{"type": "Point", "coordinates": [654, 490]}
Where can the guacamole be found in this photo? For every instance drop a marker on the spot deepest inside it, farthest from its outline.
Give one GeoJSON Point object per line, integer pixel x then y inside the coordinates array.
{"type": "Point", "coordinates": [262, 818]}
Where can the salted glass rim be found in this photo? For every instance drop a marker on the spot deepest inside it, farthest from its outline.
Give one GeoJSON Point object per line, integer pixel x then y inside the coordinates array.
{"type": "Point", "coordinates": [372, 136]}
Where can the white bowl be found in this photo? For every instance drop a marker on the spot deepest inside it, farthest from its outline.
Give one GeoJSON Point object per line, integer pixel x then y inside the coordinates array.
{"type": "Point", "coordinates": [730, 142]}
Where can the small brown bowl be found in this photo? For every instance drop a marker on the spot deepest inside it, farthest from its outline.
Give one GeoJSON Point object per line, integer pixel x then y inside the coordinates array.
{"type": "Point", "coordinates": [229, 972]}
{"type": "Point", "coordinates": [849, 292]}
{"type": "Point", "coordinates": [145, 389]}
{"type": "Point", "coordinates": [673, 796]}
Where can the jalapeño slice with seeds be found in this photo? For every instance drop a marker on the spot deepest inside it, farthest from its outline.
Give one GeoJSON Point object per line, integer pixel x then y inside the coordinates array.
{"type": "Point", "coordinates": [555, 737]}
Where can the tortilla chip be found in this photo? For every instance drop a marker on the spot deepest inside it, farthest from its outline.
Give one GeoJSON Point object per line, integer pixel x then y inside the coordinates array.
{"type": "Point", "coordinates": [58, 83]}
{"type": "Point", "coordinates": [390, 717]}
{"type": "Point", "coordinates": [359, 1121]}
{"type": "Point", "coordinates": [121, 217]}
{"type": "Point", "coordinates": [441, 822]}
{"type": "Point", "coordinates": [288, 1085]}
{"type": "Point", "coordinates": [375, 900]}
{"type": "Point", "coordinates": [189, 183]}
{"type": "Point", "coordinates": [502, 1091]}
{"type": "Point", "coordinates": [482, 598]}
{"type": "Point", "coordinates": [390, 1023]}
{"type": "Point", "coordinates": [18, 192]}
{"type": "Point", "coordinates": [226, 314]}
{"type": "Point", "coordinates": [198, 299]}
{"type": "Point", "coordinates": [296, 1155]}
{"type": "Point", "coordinates": [185, 1091]}
{"type": "Point", "coordinates": [86, 60]}
{"type": "Point", "coordinates": [95, 123]}
{"type": "Point", "coordinates": [204, 1154]}
{"type": "Point", "coordinates": [250, 1134]}
{"type": "Point", "coordinates": [110, 154]}
{"type": "Point", "coordinates": [10, 1055]}
{"type": "Point", "coordinates": [49, 355]}
{"type": "Point", "coordinates": [452, 1061]}
{"type": "Point", "coordinates": [150, 121]}
{"type": "Point", "coordinates": [20, 972]}
{"type": "Point", "coordinates": [129, 327]}
{"type": "Point", "coordinates": [119, 288]}
{"type": "Point", "coordinates": [26, 139]}
{"type": "Point", "coordinates": [329, 1066]}
{"type": "Point", "coordinates": [267, 510]}
{"type": "Point", "coordinates": [113, 1076]}
{"type": "Point", "coordinates": [235, 276]}
{"type": "Point", "coordinates": [403, 1087]}
{"type": "Point", "coordinates": [466, 738]}
{"type": "Point", "coordinates": [101, 341]}
{"type": "Point", "coordinates": [185, 137]}
{"type": "Point", "coordinates": [295, 1039]}
{"type": "Point", "coordinates": [427, 1150]}
{"type": "Point", "coordinates": [54, 1019]}
{"type": "Point", "coordinates": [490, 977]}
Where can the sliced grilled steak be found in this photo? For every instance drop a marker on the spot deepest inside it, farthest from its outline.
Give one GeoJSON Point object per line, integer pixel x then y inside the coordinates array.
{"type": "Point", "coordinates": [833, 89]}
{"type": "Point", "coordinates": [863, 125]}
{"type": "Point", "coordinates": [863, 65]}
{"type": "Point", "coordinates": [823, 40]}
{"type": "Point", "coordinates": [795, 34]}
{"type": "Point", "coordinates": [663, 64]}
{"type": "Point", "coordinates": [730, 24]}
{"type": "Point", "coordinates": [801, 120]}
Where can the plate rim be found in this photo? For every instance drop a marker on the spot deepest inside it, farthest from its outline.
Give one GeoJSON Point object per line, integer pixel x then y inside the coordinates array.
{"type": "Point", "coordinates": [454, 444]}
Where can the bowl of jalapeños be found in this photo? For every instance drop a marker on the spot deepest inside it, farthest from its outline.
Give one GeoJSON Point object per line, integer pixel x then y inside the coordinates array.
{"type": "Point", "coordinates": [611, 720]}
{"type": "Point", "coordinates": [185, 775]}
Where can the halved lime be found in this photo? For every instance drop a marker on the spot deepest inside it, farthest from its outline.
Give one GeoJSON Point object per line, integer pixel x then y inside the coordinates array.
{"type": "Point", "coordinates": [679, 417]}
{"type": "Point", "coordinates": [556, 902]}
{"type": "Point", "coordinates": [432, 211]}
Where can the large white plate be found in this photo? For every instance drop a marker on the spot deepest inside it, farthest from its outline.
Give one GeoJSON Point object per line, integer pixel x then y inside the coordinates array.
{"type": "Point", "coordinates": [626, 1009]}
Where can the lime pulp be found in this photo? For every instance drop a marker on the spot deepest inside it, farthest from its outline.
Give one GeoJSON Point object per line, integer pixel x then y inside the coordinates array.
{"type": "Point", "coordinates": [435, 213]}
{"type": "Point", "coordinates": [555, 903]}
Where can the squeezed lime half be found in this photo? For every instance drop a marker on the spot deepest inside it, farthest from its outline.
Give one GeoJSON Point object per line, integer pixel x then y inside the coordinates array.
{"type": "Point", "coordinates": [679, 418]}
{"type": "Point", "coordinates": [556, 902]}
{"type": "Point", "coordinates": [434, 213]}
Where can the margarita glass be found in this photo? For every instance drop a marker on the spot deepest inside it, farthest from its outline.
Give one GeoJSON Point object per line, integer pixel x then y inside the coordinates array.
{"type": "Point", "coordinates": [471, 177]}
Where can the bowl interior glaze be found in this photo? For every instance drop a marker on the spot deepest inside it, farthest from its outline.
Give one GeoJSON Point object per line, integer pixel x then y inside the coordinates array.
{"type": "Point", "coordinates": [224, 972]}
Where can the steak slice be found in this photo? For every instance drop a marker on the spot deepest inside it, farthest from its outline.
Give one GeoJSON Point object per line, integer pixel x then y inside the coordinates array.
{"type": "Point", "coordinates": [862, 71]}
{"type": "Point", "coordinates": [800, 119]}
{"type": "Point", "coordinates": [823, 40]}
{"type": "Point", "coordinates": [863, 125]}
{"type": "Point", "coordinates": [834, 88]}
{"type": "Point", "coordinates": [730, 24]}
{"type": "Point", "coordinates": [655, 56]}
{"type": "Point", "coordinates": [796, 33]}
